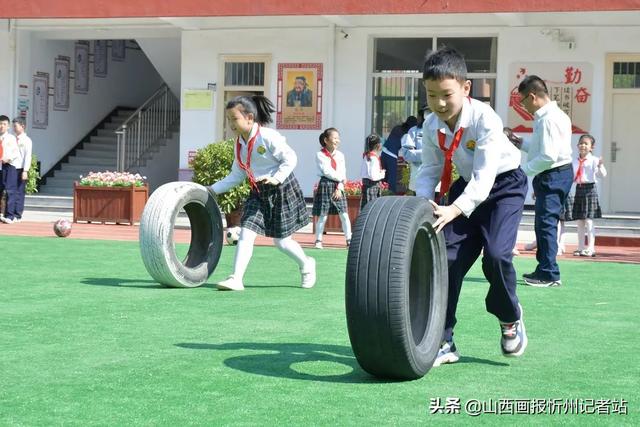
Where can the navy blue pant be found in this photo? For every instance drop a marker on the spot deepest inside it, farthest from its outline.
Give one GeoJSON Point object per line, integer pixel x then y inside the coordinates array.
{"type": "Point", "coordinates": [551, 188]}
{"type": "Point", "coordinates": [390, 164]}
{"type": "Point", "coordinates": [10, 183]}
{"type": "Point", "coordinates": [492, 227]}
{"type": "Point", "coordinates": [22, 190]}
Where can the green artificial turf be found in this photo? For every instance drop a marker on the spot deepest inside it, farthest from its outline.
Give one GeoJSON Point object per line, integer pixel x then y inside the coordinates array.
{"type": "Point", "coordinates": [87, 338]}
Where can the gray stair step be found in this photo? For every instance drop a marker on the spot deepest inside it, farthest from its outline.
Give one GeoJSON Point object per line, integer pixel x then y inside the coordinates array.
{"type": "Point", "coordinates": [105, 140]}
{"type": "Point", "coordinates": [112, 125]}
{"type": "Point", "coordinates": [100, 146]}
{"type": "Point", "coordinates": [106, 132]}
{"type": "Point", "coordinates": [65, 175]}
{"type": "Point", "coordinates": [97, 161]}
{"type": "Point", "coordinates": [44, 202]}
{"type": "Point", "coordinates": [56, 191]}
{"type": "Point", "coordinates": [92, 152]}
{"type": "Point", "coordinates": [79, 169]}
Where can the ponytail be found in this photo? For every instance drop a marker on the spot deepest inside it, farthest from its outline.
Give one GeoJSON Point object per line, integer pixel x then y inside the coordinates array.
{"type": "Point", "coordinates": [372, 141]}
{"type": "Point", "coordinates": [258, 105]}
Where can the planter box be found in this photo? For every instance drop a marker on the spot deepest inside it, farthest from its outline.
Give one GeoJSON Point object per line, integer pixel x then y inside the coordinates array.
{"type": "Point", "coordinates": [333, 224]}
{"type": "Point", "coordinates": [109, 204]}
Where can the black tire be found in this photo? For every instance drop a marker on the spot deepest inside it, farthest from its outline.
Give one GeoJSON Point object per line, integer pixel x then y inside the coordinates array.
{"type": "Point", "coordinates": [396, 288]}
{"type": "Point", "coordinates": [156, 235]}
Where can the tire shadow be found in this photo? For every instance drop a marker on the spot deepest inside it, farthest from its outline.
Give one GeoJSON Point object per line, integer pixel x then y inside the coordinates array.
{"type": "Point", "coordinates": [277, 360]}
{"type": "Point", "coordinates": [128, 283]}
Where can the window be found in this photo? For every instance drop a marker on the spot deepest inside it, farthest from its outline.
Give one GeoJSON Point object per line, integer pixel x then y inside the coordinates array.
{"type": "Point", "coordinates": [626, 75]}
{"type": "Point", "coordinates": [244, 74]}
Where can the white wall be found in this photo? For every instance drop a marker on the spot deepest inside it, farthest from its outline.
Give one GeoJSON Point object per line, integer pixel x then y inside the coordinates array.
{"type": "Point", "coordinates": [164, 54]}
{"type": "Point", "coordinates": [128, 84]}
{"type": "Point", "coordinates": [6, 67]}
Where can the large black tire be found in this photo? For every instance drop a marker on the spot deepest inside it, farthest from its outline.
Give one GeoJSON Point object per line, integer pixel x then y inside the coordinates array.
{"type": "Point", "coordinates": [156, 235]}
{"type": "Point", "coordinates": [396, 288]}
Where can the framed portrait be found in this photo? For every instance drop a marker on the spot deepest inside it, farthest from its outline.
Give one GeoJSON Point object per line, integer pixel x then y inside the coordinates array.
{"type": "Point", "coordinates": [100, 58]}
{"type": "Point", "coordinates": [81, 67]}
{"type": "Point", "coordinates": [299, 103]}
{"type": "Point", "coordinates": [61, 85]}
{"type": "Point", "coordinates": [40, 118]}
{"type": "Point", "coordinates": [118, 50]}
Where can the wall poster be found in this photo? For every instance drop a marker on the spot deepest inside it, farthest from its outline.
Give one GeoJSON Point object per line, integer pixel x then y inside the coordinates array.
{"type": "Point", "coordinates": [81, 67]}
{"type": "Point", "coordinates": [100, 58]}
{"type": "Point", "coordinates": [299, 103]}
{"type": "Point", "coordinates": [40, 118]}
{"type": "Point", "coordinates": [61, 84]}
{"type": "Point", "coordinates": [118, 50]}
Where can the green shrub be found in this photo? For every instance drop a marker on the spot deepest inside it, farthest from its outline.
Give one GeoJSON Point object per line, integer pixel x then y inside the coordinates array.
{"type": "Point", "coordinates": [33, 176]}
{"type": "Point", "coordinates": [211, 164]}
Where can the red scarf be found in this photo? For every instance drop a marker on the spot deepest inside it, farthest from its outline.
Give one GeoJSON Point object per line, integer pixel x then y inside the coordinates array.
{"type": "Point", "coordinates": [1, 149]}
{"type": "Point", "coordinates": [247, 167]}
{"type": "Point", "coordinates": [445, 178]}
{"type": "Point", "coordinates": [326, 152]}
{"type": "Point", "coordinates": [370, 154]}
{"type": "Point", "coordinates": [580, 174]}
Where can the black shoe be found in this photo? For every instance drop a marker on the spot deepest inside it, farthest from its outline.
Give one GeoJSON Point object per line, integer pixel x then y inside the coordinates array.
{"type": "Point", "coordinates": [526, 276]}
{"type": "Point", "coordinates": [542, 283]}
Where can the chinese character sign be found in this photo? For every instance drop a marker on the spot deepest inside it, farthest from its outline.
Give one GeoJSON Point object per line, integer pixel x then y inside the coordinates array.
{"type": "Point", "coordinates": [570, 85]}
{"type": "Point", "coordinates": [299, 104]}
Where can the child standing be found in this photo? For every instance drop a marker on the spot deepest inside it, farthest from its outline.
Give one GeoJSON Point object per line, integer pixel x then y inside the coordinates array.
{"type": "Point", "coordinates": [484, 206]}
{"type": "Point", "coordinates": [9, 160]}
{"type": "Point", "coordinates": [329, 197]}
{"type": "Point", "coordinates": [585, 205]}
{"type": "Point", "coordinates": [275, 207]}
{"type": "Point", "coordinates": [371, 170]}
{"type": "Point", "coordinates": [25, 146]}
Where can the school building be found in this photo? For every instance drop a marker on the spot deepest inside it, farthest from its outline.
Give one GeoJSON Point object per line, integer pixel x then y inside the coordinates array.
{"type": "Point", "coordinates": [78, 71]}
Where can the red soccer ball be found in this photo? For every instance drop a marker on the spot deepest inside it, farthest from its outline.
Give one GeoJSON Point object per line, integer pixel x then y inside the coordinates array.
{"type": "Point", "coordinates": [62, 228]}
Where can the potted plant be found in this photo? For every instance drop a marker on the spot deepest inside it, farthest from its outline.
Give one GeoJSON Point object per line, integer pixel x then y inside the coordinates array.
{"type": "Point", "coordinates": [211, 164]}
{"type": "Point", "coordinates": [109, 197]}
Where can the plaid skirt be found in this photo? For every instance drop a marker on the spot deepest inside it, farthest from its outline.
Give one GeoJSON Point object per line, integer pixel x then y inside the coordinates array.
{"type": "Point", "coordinates": [371, 190]}
{"type": "Point", "coordinates": [276, 211]}
{"type": "Point", "coordinates": [323, 204]}
{"type": "Point", "coordinates": [583, 204]}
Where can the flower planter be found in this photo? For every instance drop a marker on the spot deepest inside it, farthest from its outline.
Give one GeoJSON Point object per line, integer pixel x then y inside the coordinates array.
{"type": "Point", "coordinates": [333, 224]}
{"type": "Point", "coordinates": [109, 204]}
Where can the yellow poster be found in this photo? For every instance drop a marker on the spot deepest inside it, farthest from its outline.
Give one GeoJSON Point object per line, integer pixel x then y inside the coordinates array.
{"type": "Point", "coordinates": [197, 99]}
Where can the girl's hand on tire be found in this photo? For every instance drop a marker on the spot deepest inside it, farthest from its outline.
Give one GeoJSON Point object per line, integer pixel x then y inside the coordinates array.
{"type": "Point", "coordinates": [445, 215]}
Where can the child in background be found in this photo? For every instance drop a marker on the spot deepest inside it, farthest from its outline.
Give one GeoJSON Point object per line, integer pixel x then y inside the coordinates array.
{"type": "Point", "coordinates": [329, 198]}
{"type": "Point", "coordinates": [371, 170]}
{"type": "Point", "coordinates": [411, 149]}
{"type": "Point", "coordinates": [584, 205]}
{"type": "Point", "coordinates": [275, 207]}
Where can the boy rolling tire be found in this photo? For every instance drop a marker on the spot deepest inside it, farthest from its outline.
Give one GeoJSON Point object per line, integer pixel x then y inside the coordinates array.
{"type": "Point", "coordinates": [396, 288]}
{"type": "Point", "coordinates": [156, 235]}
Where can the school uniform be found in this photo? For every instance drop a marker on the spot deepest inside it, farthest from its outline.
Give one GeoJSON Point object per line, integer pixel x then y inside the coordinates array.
{"type": "Point", "coordinates": [10, 173]}
{"type": "Point", "coordinates": [372, 174]}
{"type": "Point", "coordinates": [549, 161]}
{"type": "Point", "coordinates": [584, 203]}
{"type": "Point", "coordinates": [490, 193]}
{"type": "Point", "coordinates": [389, 156]}
{"type": "Point", "coordinates": [25, 146]}
{"type": "Point", "coordinates": [332, 171]}
{"type": "Point", "coordinates": [411, 151]}
{"type": "Point", "coordinates": [271, 210]}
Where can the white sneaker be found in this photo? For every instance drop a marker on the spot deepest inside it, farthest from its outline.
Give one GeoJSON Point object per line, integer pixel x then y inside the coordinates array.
{"type": "Point", "coordinates": [530, 246]}
{"type": "Point", "coordinates": [447, 354]}
{"type": "Point", "coordinates": [318, 244]}
{"type": "Point", "coordinates": [308, 273]}
{"type": "Point", "coordinates": [230, 284]}
{"type": "Point", "coordinates": [7, 220]}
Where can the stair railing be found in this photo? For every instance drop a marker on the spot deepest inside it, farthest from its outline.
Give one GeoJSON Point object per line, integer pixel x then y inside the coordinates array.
{"type": "Point", "coordinates": [145, 127]}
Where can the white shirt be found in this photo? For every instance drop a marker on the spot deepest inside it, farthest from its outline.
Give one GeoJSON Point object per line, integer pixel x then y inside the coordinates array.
{"type": "Point", "coordinates": [370, 168]}
{"type": "Point", "coordinates": [591, 170]}
{"type": "Point", "coordinates": [549, 145]}
{"type": "Point", "coordinates": [484, 152]}
{"type": "Point", "coordinates": [10, 149]}
{"type": "Point", "coordinates": [25, 146]}
{"type": "Point", "coordinates": [411, 150]}
{"type": "Point", "coordinates": [271, 157]}
{"type": "Point", "coordinates": [324, 168]}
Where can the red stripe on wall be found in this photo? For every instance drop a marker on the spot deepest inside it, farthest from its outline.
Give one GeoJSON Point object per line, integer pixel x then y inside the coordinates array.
{"type": "Point", "coordinates": [182, 8]}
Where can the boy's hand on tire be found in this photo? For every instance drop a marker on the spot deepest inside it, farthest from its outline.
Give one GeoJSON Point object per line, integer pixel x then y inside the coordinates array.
{"type": "Point", "coordinates": [445, 215]}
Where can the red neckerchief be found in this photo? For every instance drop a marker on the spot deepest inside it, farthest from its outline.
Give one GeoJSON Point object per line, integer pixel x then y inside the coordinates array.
{"type": "Point", "coordinates": [326, 152]}
{"type": "Point", "coordinates": [1, 149]}
{"type": "Point", "coordinates": [370, 154]}
{"type": "Point", "coordinates": [445, 178]}
{"type": "Point", "coordinates": [580, 174]}
{"type": "Point", "coordinates": [247, 167]}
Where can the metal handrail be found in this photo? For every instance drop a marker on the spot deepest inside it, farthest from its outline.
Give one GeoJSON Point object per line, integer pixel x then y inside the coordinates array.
{"type": "Point", "coordinates": [145, 127]}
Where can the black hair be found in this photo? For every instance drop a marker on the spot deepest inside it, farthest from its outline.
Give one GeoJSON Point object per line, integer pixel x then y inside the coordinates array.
{"type": "Point", "coordinates": [409, 123]}
{"type": "Point", "coordinates": [258, 105]}
{"type": "Point", "coordinates": [533, 84]}
{"type": "Point", "coordinates": [325, 134]}
{"type": "Point", "coordinates": [445, 63]}
{"type": "Point", "coordinates": [21, 121]}
{"type": "Point", "coordinates": [372, 141]}
{"type": "Point", "coordinates": [587, 135]}
{"type": "Point", "coordinates": [4, 118]}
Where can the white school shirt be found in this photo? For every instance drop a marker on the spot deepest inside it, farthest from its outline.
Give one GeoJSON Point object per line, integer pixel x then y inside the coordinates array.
{"type": "Point", "coordinates": [411, 151]}
{"type": "Point", "coordinates": [324, 168]}
{"type": "Point", "coordinates": [10, 149]}
{"type": "Point", "coordinates": [590, 169]}
{"type": "Point", "coordinates": [25, 146]}
{"type": "Point", "coordinates": [549, 145]}
{"type": "Point", "coordinates": [370, 168]}
{"type": "Point", "coordinates": [484, 152]}
{"type": "Point", "coordinates": [271, 157]}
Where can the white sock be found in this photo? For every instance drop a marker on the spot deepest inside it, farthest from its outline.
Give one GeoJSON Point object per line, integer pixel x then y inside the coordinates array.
{"type": "Point", "coordinates": [244, 251]}
{"type": "Point", "coordinates": [293, 249]}
{"type": "Point", "coordinates": [591, 235]}
{"type": "Point", "coordinates": [322, 220]}
{"type": "Point", "coordinates": [581, 227]}
{"type": "Point", "coordinates": [346, 225]}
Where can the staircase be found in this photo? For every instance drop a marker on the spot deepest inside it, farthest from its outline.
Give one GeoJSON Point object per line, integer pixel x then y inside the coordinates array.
{"type": "Point", "coordinates": [98, 154]}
